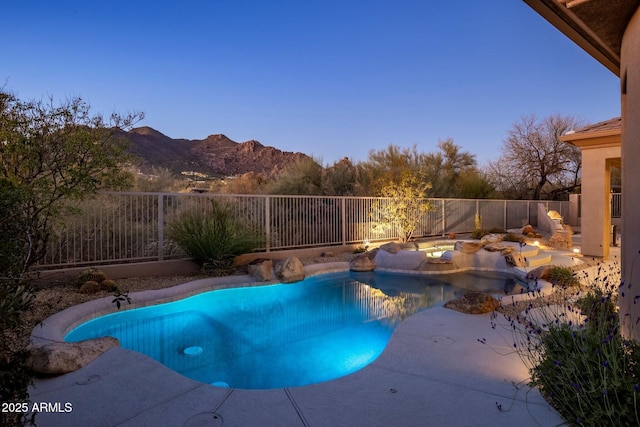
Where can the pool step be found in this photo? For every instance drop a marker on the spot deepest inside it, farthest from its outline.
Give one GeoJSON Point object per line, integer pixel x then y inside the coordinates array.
{"type": "Point", "coordinates": [532, 254]}
{"type": "Point", "coordinates": [527, 251]}
{"type": "Point", "coordinates": [538, 259]}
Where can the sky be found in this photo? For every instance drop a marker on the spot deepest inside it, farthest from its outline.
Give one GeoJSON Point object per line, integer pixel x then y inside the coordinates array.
{"type": "Point", "coordinates": [329, 78]}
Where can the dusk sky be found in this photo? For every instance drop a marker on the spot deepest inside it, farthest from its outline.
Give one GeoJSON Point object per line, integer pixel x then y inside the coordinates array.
{"type": "Point", "coordinates": [327, 78]}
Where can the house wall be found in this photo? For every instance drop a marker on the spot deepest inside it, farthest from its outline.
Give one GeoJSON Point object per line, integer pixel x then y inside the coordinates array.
{"type": "Point", "coordinates": [596, 205]}
{"type": "Point", "coordinates": [630, 88]}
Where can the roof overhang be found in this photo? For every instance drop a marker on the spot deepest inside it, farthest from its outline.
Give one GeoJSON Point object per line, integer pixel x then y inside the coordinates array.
{"type": "Point", "coordinates": [603, 139]}
{"type": "Point", "coordinates": [597, 26]}
{"type": "Point", "coordinates": [605, 134]}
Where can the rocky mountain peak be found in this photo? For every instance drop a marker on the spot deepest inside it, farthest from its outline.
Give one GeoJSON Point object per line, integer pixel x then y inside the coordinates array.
{"type": "Point", "coordinates": [216, 155]}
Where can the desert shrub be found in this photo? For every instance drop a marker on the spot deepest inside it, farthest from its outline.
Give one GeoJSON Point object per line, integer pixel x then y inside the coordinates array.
{"type": "Point", "coordinates": [562, 276]}
{"type": "Point", "coordinates": [479, 233]}
{"type": "Point", "coordinates": [15, 299]}
{"type": "Point", "coordinates": [213, 236]}
{"type": "Point", "coordinates": [497, 230]}
{"type": "Point", "coordinates": [90, 287]}
{"type": "Point", "coordinates": [92, 274]}
{"type": "Point", "coordinates": [579, 359]}
{"type": "Point", "coordinates": [511, 237]}
{"type": "Point", "coordinates": [109, 285]}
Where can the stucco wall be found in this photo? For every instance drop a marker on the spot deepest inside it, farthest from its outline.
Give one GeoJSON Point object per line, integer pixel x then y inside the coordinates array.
{"type": "Point", "coordinates": [630, 81]}
{"type": "Point", "coordinates": [596, 207]}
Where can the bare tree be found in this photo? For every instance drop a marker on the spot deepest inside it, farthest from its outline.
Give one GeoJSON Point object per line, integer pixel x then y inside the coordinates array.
{"type": "Point", "coordinates": [534, 162]}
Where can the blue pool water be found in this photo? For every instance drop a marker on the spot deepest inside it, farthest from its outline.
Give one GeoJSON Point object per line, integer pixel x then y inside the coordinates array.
{"type": "Point", "coordinates": [284, 335]}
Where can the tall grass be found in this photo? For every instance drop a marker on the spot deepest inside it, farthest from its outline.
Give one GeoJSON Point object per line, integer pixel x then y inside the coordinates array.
{"type": "Point", "coordinates": [213, 235]}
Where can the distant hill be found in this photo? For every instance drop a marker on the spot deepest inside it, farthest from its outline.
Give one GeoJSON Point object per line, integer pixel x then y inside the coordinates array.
{"type": "Point", "coordinates": [215, 156]}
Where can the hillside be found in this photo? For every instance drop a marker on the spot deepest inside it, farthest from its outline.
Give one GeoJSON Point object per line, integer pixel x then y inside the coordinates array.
{"type": "Point", "coordinates": [216, 155]}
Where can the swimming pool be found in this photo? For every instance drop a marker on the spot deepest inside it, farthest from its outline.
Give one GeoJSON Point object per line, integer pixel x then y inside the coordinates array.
{"type": "Point", "coordinates": [284, 335]}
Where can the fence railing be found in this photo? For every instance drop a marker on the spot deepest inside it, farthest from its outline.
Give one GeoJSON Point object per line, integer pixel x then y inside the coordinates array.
{"type": "Point", "coordinates": [118, 227]}
{"type": "Point", "coordinates": [616, 205]}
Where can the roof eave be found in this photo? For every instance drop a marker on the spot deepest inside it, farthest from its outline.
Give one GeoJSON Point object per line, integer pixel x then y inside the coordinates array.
{"type": "Point", "coordinates": [577, 31]}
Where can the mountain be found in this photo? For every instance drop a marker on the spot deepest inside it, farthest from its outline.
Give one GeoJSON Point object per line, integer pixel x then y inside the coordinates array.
{"type": "Point", "coordinates": [215, 156]}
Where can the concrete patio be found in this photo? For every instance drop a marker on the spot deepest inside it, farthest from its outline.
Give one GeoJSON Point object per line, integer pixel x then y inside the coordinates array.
{"type": "Point", "coordinates": [433, 372]}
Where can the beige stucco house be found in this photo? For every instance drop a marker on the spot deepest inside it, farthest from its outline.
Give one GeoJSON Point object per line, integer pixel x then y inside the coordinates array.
{"type": "Point", "coordinates": [609, 30]}
{"type": "Point", "coordinates": [600, 145]}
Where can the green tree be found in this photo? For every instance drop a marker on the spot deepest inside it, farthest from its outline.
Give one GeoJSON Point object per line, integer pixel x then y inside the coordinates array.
{"type": "Point", "coordinates": [57, 154]}
{"type": "Point", "coordinates": [403, 207]}
{"type": "Point", "coordinates": [304, 177]}
{"type": "Point", "coordinates": [340, 179]}
{"type": "Point", "coordinates": [446, 166]}
{"type": "Point", "coordinates": [15, 298]}
{"type": "Point", "coordinates": [50, 156]}
{"type": "Point", "coordinates": [474, 184]}
{"type": "Point", "coordinates": [451, 171]}
{"type": "Point", "coordinates": [391, 165]}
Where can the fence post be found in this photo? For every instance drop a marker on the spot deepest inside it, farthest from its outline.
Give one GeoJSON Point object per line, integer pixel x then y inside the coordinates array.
{"type": "Point", "coordinates": [344, 220]}
{"type": "Point", "coordinates": [505, 216]}
{"type": "Point", "coordinates": [267, 222]}
{"type": "Point", "coordinates": [444, 224]}
{"type": "Point", "coordinates": [160, 226]}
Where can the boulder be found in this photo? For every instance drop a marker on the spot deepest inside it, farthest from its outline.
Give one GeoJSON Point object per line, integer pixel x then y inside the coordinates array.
{"type": "Point", "coordinates": [391, 247]}
{"type": "Point", "coordinates": [515, 260]}
{"type": "Point", "coordinates": [528, 229]}
{"type": "Point", "coordinates": [362, 262]}
{"type": "Point", "coordinates": [468, 247]}
{"type": "Point", "coordinates": [403, 260]}
{"type": "Point", "coordinates": [261, 271]}
{"type": "Point", "coordinates": [506, 251]}
{"type": "Point", "coordinates": [561, 240]}
{"type": "Point", "coordinates": [491, 238]}
{"type": "Point", "coordinates": [447, 256]}
{"type": "Point", "coordinates": [496, 247]}
{"type": "Point", "coordinates": [541, 272]}
{"type": "Point", "coordinates": [62, 357]}
{"type": "Point", "coordinates": [289, 270]}
{"type": "Point", "coordinates": [473, 303]}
